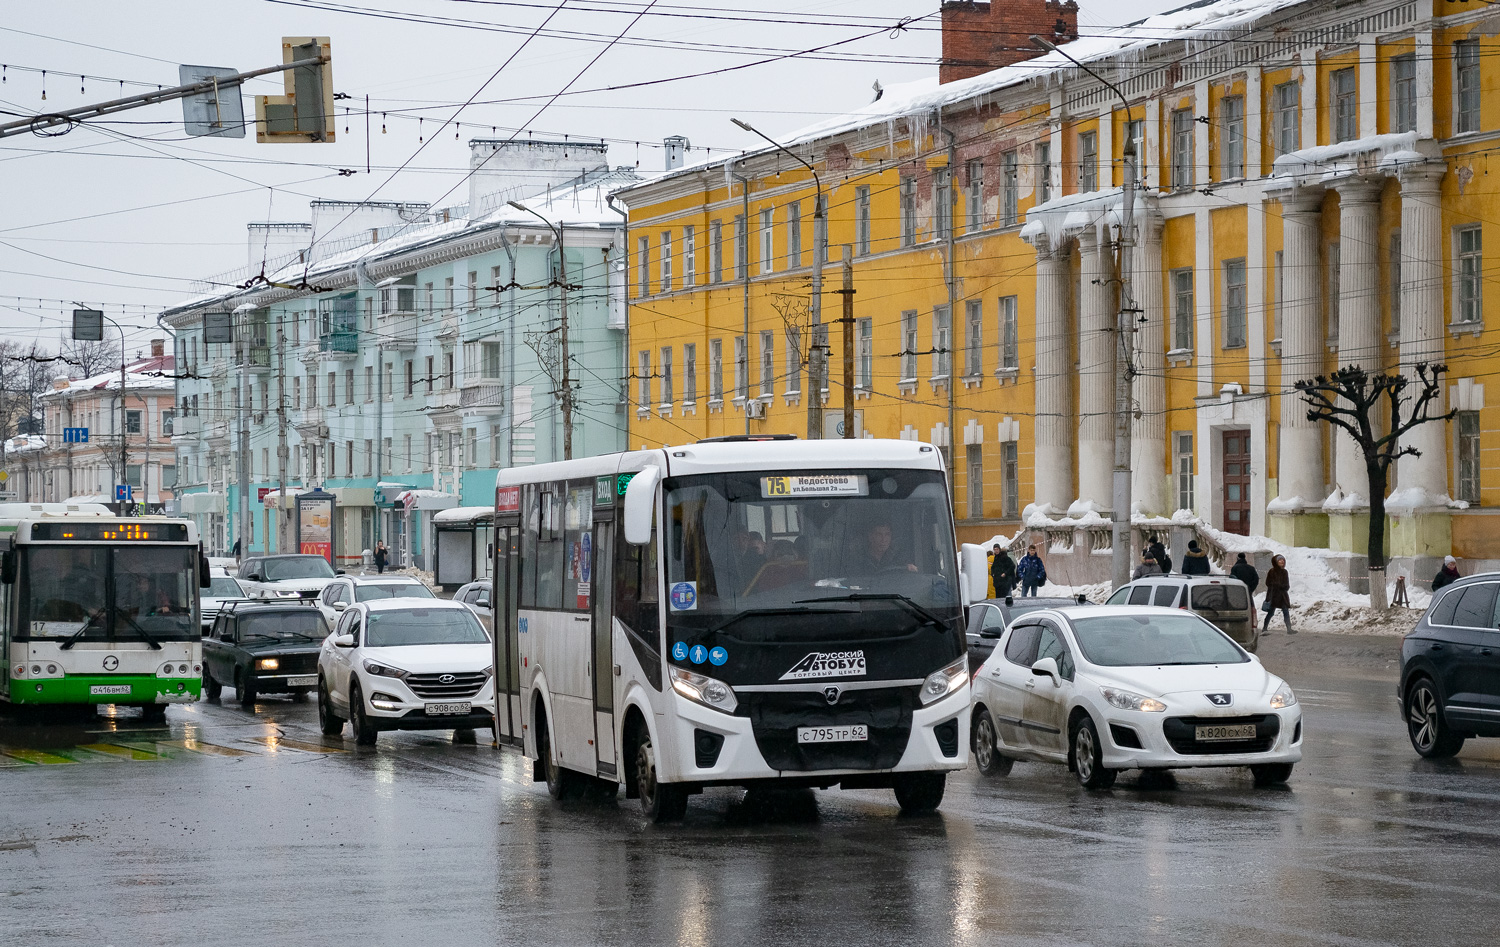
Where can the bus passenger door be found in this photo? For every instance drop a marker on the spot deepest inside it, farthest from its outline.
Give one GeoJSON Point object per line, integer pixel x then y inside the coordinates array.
{"type": "Point", "coordinates": [503, 598]}
{"type": "Point", "coordinates": [604, 659]}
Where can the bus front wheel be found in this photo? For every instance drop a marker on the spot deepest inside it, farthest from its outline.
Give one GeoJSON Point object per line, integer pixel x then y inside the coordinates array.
{"type": "Point", "coordinates": [920, 792]}
{"type": "Point", "coordinates": [662, 802]}
{"type": "Point", "coordinates": [562, 783]}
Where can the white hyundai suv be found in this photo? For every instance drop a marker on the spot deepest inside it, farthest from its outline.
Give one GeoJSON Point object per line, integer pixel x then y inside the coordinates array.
{"type": "Point", "coordinates": [347, 589]}
{"type": "Point", "coordinates": [400, 664]}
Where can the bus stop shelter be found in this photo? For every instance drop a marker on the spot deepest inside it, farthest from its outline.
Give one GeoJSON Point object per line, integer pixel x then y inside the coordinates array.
{"type": "Point", "coordinates": [462, 545]}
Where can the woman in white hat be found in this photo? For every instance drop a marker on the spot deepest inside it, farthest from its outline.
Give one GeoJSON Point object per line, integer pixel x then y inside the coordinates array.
{"type": "Point", "coordinates": [1447, 575]}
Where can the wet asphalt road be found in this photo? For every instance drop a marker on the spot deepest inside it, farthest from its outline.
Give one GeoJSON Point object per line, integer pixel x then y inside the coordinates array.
{"type": "Point", "coordinates": [233, 828]}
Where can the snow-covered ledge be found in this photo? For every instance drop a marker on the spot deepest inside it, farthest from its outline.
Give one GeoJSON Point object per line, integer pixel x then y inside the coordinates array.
{"type": "Point", "coordinates": [1063, 218]}
{"type": "Point", "coordinates": [1374, 155]}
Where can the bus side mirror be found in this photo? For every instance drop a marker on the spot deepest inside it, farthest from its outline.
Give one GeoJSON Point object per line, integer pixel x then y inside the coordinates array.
{"type": "Point", "coordinates": [640, 506]}
{"type": "Point", "coordinates": [204, 579]}
{"type": "Point", "coordinates": [974, 570]}
{"type": "Point", "coordinates": [8, 567]}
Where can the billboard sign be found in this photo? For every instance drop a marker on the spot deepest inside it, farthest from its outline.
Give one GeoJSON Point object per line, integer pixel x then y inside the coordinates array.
{"type": "Point", "coordinates": [314, 525]}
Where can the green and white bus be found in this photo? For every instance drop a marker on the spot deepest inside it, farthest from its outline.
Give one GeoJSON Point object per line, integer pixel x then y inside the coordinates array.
{"type": "Point", "coordinates": [98, 609]}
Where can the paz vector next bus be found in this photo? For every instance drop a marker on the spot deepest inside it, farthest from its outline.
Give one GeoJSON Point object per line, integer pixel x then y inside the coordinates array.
{"type": "Point", "coordinates": [741, 611]}
{"type": "Point", "coordinates": [98, 609]}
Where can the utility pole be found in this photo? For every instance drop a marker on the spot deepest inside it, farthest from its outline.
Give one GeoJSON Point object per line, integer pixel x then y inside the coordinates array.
{"type": "Point", "coordinates": [242, 340]}
{"type": "Point", "coordinates": [281, 448]}
{"type": "Point", "coordinates": [848, 320]}
{"type": "Point", "coordinates": [567, 377]}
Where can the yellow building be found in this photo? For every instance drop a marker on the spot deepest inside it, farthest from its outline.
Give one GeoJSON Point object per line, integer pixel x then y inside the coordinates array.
{"type": "Point", "coordinates": [1313, 194]}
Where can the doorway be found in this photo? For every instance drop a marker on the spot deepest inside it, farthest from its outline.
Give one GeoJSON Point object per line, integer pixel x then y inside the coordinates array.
{"type": "Point", "coordinates": [1235, 471]}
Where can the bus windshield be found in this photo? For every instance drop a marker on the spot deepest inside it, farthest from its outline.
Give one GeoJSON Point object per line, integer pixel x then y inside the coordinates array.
{"type": "Point", "coordinates": [870, 551]}
{"type": "Point", "coordinates": [105, 593]}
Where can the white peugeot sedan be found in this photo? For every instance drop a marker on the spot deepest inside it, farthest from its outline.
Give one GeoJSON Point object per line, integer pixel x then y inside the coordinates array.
{"type": "Point", "coordinates": [1102, 689]}
{"type": "Point", "coordinates": [347, 589]}
{"type": "Point", "coordinates": [400, 664]}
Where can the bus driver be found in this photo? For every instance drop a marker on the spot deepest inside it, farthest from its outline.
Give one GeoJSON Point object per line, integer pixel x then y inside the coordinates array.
{"type": "Point", "coordinates": [878, 554]}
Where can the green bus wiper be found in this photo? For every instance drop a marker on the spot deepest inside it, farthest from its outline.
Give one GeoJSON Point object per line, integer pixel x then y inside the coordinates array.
{"type": "Point", "coordinates": [928, 618]}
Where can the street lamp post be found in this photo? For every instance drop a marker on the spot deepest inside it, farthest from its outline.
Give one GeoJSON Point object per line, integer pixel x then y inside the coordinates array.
{"type": "Point", "coordinates": [815, 308]}
{"type": "Point", "coordinates": [1124, 339]}
{"type": "Point", "coordinates": [567, 378]}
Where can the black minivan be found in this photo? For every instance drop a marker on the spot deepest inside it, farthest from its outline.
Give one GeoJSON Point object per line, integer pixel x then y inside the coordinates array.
{"type": "Point", "coordinates": [1450, 668]}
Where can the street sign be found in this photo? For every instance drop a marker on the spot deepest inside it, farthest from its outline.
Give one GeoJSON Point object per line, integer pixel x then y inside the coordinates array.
{"type": "Point", "coordinates": [88, 325]}
{"type": "Point", "coordinates": [218, 111]}
{"type": "Point", "coordinates": [260, 494]}
{"type": "Point", "coordinates": [4, 475]}
{"type": "Point", "coordinates": [218, 328]}
{"type": "Point", "coordinates": [75, 435]}
{"type": "Point", "coordinates": [122, 492]}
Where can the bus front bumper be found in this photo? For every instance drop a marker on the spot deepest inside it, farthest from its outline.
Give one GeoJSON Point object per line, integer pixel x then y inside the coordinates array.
{"type": "Point", "coordinates": [106, 689]}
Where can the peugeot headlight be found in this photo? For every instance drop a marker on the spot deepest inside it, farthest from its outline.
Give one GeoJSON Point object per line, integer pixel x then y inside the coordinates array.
{"type": "Point", "coordinates": [944, 681]}
{"type": "Point", "coordinates": [384, 670]}
{"type": "Point", "coordinates": [704, 690]}
{"type": "Point", "coordinates": [268, 664]}
{"type": "Point", "coordinates": [1125, 700]}
{"type": "Point", "coordinates": [1283, 697]}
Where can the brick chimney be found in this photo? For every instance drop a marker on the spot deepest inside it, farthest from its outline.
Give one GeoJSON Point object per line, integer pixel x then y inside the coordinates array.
{"type": "Point", "coordinates": [979, 37]}
{"type": "Point", "coordinates": [158, 348]}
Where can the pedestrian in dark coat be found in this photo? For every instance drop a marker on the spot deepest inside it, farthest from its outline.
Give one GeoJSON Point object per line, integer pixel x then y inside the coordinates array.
{"type": "Point", "coordinates": [1159, 553]}
{"type": "Point", "coordinates": [1196, 560]}
{"type": "Point", "coordinates": [1447, 575]}
{"type": "Point", "coordinates": [1245, 572]}
{"type": "Point", "coordinates": [381, 558]}
{"type": "Point", "coordinates": [1031, 572]}
{"type": "Point", "coordinates": [1003, 572]}
{"type": "Point", "coordinates": [1278, 595]}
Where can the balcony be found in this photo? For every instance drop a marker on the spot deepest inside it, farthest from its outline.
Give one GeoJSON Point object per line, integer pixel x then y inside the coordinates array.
{"type": "Point", "coordinates": [398, 330]}
{"type": "Point", "coordinates": [338, 344]}
{"type": "Point", "coordinates": [257, 356]}
{"type": "Point", "coordinates": [482, 397]}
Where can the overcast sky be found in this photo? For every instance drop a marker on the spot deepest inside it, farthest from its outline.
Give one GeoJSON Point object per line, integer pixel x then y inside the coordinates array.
{"type": "Point", "coordinates": [125, 214]}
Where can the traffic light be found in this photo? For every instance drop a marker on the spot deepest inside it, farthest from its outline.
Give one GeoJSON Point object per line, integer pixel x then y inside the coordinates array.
{"type": "Point", "coordinates": [305, 112]}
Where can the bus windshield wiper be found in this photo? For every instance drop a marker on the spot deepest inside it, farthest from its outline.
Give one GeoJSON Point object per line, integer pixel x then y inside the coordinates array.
{"type": "Point", "coordinates": [145, 636]}
{"type": "Point", "coordinates": [73, 638]}
{"type": "Point", "coordinates": [928, 618]}
{"type": "Point", "coordinates": [784, 610]}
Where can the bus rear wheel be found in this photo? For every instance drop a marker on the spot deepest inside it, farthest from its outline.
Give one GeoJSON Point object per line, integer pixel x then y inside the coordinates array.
{"type": "Point", "coordinates": [920, 792]}
{"type": "Point", "coordinates": [661, 802]}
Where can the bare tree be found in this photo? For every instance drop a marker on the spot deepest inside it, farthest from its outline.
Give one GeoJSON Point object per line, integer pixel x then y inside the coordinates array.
{"type": "Point", "coordinates": [87, 359]}
{"type": "Point", "coordinates": [1350, 399]}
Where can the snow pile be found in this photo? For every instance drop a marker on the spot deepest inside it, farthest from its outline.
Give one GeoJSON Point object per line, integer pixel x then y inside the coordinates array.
{"type": "Point", "coordinates": [1338, 500]}
{"type": "Point", "coordinates": [1412, 499]}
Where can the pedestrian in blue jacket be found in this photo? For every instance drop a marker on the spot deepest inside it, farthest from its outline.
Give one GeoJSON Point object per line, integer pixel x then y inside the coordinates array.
{"type": "Point", "coordinates": [1031, 571]}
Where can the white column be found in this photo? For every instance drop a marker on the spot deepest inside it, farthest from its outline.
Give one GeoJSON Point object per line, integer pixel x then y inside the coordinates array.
{"type": "Point", "coordinates": [1301, 466]}
{"type": "Point", "coordinates": [1359, 309]}
{"type": "Point", "coordinates": [1149, 438]}
{"type": "Point", "coordinates": [1053, 431]}
{"type": "Point", "coordinates": [1096, 369]}
{"type": "Point", "coordinates": [1422, 328]}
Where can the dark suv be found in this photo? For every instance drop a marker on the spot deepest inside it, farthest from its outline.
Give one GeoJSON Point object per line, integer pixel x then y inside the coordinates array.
{"type": "Point", "coordinates": [263, 648]}
{"type": "Point", "coordinates": [1450, 668]}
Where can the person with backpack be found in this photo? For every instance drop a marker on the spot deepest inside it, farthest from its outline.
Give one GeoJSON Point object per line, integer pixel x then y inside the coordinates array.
{"type": "Point", "coordinates": [1031, 571]}
{"type": "Point", "coordinates": [1003, 572]}
{"type": "Point", "coordinates": [1195, 562]}
{"type": "Point", "coordinates": [1246, 573]}
{"type": "Point", "coordinates": [1159, 554]}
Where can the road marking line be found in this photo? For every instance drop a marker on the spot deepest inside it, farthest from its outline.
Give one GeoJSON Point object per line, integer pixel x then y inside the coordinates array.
{"type": "Point", "coordinates": [35, 756]}
{"type": "Point", "coordinates": [119, 751]}
{"type": "Point", "coordinates": [276, 743]}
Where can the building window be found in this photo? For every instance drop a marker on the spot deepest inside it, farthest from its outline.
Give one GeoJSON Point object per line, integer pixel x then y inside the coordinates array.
{"type": "Point", "coordinates": [132, 422]}
{"type": "Point", "coordinates": [1135, 133]}
{"type": "Point", "coordinates": [1287, 117]}
{"type": "Point", "coordinates": [642, 380]}
{"type": "Point", "coordinates": [1396, 281]}
{"type": "Point", "coordinates": [741, 247]}
{"type": "Point", "coordinates": [1044, 173]}
{"type": "Point", "coordinates": [767, 241]}
{"type": "Point", "coordinates": [349, 385]}
{"type": "Point", "coordinates": [166, 422]}
{"type": "Point", "coordinates": [1331, 275]}
{"type": "Point", "coordinates": [909, 345]}
{"type": "Point", "coordinates": [489, 359]}
{"type": "Point", "coordinates": [864, 354]}
{"type": "Point", "coordinates": [406, 444]}
{"type": "Point", "coordinates": [942, 345]}
{"type": "Point", "coordinates": [1232, 114]}
{"type": "Point", "coordinates": [974, 484]}
{"type": "Point", "coordinates": [473, 289]}
{"type": "Point", "coordinates": [862, 220]}
{"type": "Point", "coordinates": [667, 396]}
{"type": "Point", "coordinates": [1234, 304]}
{"type": "Point", "coordinates": [1010, 355]}
{"type": "Point", "coordinates": [666, 261]}
{"type": "Point", "coordinates": [741, 367]}
{"type": "Point", "coordinates": [1278, 280]}
{"type": "Point", "coordinates": [974, 194]}
{"type": "Point", "coordinates": [369, 383]}
{"type": "Point", "coordinates": [643, 266]}
{"type": "Point", "coordinates": [1466, 85]}
{"type": "Point", "coordinates": [689, 257]}
{"type": "Point", "coordinates": [716, 252]}
{"type": "Point", "coordinates": [793, 360]}
{"type": "Point", "coordinates": [411, 382]}
{"type": "Point", "coordinates": [1182, 445]}
{"type": "Point", "coordinates": [1010, 190]}
{"type": "Point", "coordinates": [690, 372]}
{"type": "Point", "coordinates": [430, 379]}
{"type": "Point", "coordinates": [716, 370]}
{"type": "Point", "coordinates": [1344, 91]}
{"type": "Point", "coordinates": [133, 475]}
{"type": "Point", "coordinates": [1010, 479]}
{"type": "Point", "coordinates": [1182, 148]}
{"type": "Point", "coordinates": [973, 336]}
{"type": "Point", "coordinates": [767, 364]}
{"type": "Point", "coordinates": [370, 453]}
{"type": "Point", "coordinates": [1468, 265]}
{"type": "Point", "coordinates": [942, 196]}
{"type": "Point", "coordinates": [1466, 428]}
{"type": "Point", "coordinates": [1404, 93]}
{"type": "Point", "coordinates": [794, 234]}
{"type": "Point", "coordinates": [1088, 162]}
{"type": "Point", "coordinates": [1182, 310]}
{"type": "Point", "coordinates": [908, 192]}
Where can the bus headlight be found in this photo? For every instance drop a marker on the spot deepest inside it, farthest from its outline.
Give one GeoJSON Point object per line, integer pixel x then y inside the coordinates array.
{"type": "Point", "coordinates": [704, 690]}
{"type": "Point", "coordinates": [942, 682]}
